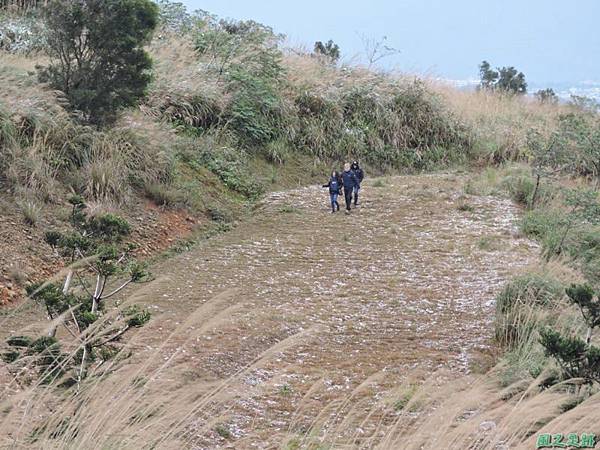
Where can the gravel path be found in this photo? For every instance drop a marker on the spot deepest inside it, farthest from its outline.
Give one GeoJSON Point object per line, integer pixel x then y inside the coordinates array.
{"type": "Point", "coordinates": [405, 283]}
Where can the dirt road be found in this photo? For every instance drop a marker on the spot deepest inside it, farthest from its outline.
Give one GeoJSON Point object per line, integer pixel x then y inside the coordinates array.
{"type": "Point", "coordinates": [295, 329]}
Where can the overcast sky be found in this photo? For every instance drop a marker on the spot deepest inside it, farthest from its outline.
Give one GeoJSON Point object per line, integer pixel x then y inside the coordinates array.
{"type": "Point", "coordinates": [549, 40]}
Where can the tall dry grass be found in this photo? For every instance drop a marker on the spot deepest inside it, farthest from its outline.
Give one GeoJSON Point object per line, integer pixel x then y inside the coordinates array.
{"type": "Point", "coordinates": [46, 153]}
{"type": "Point", "coordinates": [499, 123]}
{"type": "Point", "coordinates": [132, 401]}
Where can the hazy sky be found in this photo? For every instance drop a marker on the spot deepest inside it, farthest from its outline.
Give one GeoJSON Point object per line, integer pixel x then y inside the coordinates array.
{"type": "Point", "coordinates": [549, 40]}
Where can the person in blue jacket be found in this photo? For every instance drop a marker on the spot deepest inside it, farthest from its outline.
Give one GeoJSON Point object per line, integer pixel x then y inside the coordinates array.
{"type": "Point", "coordinates": [349, 181]}
{"type": "Point", "coordinates": [334, 185]}
{"type": "Point", "coordinates": [360, 176]}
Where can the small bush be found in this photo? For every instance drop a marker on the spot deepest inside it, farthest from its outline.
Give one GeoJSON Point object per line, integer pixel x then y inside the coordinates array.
{"type": "Point", "coordinates": [539, 224]}
{"type": "Point", "coordinates": [463, 205]}
{"type": "Point", "coordinates": [405, 397]}
{"type": "Point", "coordinates": [489, 243]}
{"type": "Point", "coordinates": [31, 212]}
{"type": "Point", "coordinates": [277, 152]}
{"type": "Point", "coordinates": [231, 167]}
{"type": "Point", "coordinates": [285, 390]}
{"type": "Point", "coordinates": [162, 195]}
{"type": "Point", "coordinates": [517, 305]}
{"type": "Point", "coordinates": [531, 289]}
{"type": "Point", "coordinates": [223, 431]}
{"type": "Point", "coordinates": [219, 215]}
{"type": "Point", "coordinates": [289, 209]}
{"type": "Point", "coordinates": [520, 189]}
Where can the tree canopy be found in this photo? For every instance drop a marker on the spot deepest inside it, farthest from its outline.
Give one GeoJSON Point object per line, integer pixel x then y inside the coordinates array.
{"type": "Point", "coordinates": [329, 49]}
{"type": "Point", "coordinates": [506, 79]}
{"type": "Point", "coordinates": [97, 54]}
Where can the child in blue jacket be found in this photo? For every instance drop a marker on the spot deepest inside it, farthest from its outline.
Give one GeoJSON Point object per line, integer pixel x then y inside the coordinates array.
{"type": "Point", "coordinates": [334, 185]}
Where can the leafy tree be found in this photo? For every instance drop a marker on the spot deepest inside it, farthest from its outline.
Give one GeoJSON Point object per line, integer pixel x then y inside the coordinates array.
{"type": "Point", "coordinates": [580, 136]}
{"type": "Point", "coordinates": [97, 54]}
{"type": "Point", "coordinates": [511, 81]}
{"type": "Point", "coordinates": [505, 79]}
{"type": "Point", "coordinates": [228, 43]}
{"type": "Point", "coordinates": [546, 96]}
{"type": "Point", "coordinates": [330, 50]}
{"type": "Point", "coordinates": [577, 357]}
{"type": "Point", "coordinates": [547, 158]}
{"type": "Point", "coordinates": [246, 54]}
{"type": "Point", "coordinates": [584, 207]}
{"type": "Point", "coordinates": [487, 75]}
{"type": "Point", "coordinates": [582, 296]}
{"type": "Point", "coordinates": [174, 17]}
{"type": "Point", "coordinates": [93, 248]}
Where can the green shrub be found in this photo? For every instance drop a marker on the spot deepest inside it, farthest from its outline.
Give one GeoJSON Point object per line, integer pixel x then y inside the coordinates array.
{"type": "Point", "coordinates": [231, 166]}
{"type": "Point", "coordinates": [586, 250]}
{"type": "Point", "coordinates": [516, 305]}
{"type": "Point", "coordinates": [577, 357]}
{"type": "Point", "coordinates": [530, 289]}
{"type": "Point", "coordinates": [223, 431]}
{"type": "Point", "coordinates": [520, 189]}
{"type": "Point", "coordinates": [97, 239]}
{"type": "Point", "coordinates": [31, 212]}
{"type": "Point", "coordinates": [277, 152]}
{"type": "Point", "coordinates": [219, 215]}
{"type": "Point", "coordinates": [539, 224]}
{"type": "Point", "coordinates": [255, 111]}
{"type": "Point", "coordinates": [162, 195]}
{"type": "Point", "coordinates": [98, 56]}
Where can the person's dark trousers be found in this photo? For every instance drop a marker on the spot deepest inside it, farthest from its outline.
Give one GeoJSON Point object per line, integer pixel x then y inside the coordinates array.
{"type": "Point", "coordinates": [348, 198]}
{"type": "Point", "coordinates": [356, 189]}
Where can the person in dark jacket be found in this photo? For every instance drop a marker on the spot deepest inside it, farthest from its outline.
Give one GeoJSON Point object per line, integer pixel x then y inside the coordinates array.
{"type": "Point", "coordinates": [334, 185]}
{"type": "Point", "coordinates": [360, 176]}
{"type": "Point", "coordinates": [349, 180]}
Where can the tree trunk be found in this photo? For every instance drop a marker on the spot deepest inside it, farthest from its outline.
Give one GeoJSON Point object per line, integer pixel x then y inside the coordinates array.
{"type": "Point", "coordinates": [535, 191]}
{"type": "Point", "coordinates": [82, 368]}
{"type": "Point", "coordinates": [564, 236]}
{"type": "Point", "coordinates": [96, 294]}
{"type": "Point", "coordinates": [67, 284]}
{"type": "Point", "coordinates": [588, 336]}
